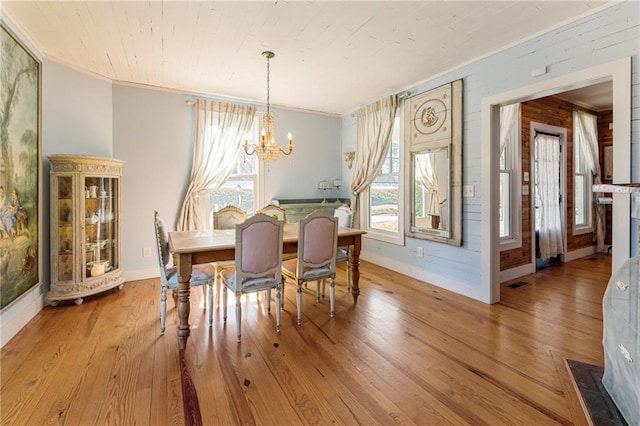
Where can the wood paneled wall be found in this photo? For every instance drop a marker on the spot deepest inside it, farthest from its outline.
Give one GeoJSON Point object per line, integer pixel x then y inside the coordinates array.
{"type": "Point", "coordinates": [554, 112]}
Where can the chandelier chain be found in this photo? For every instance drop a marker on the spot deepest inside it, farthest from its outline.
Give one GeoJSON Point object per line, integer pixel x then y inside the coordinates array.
{"type": "Point", "coordinates": [268, 72]}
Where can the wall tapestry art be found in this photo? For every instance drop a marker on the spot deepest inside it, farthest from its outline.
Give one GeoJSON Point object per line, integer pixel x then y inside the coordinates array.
{"type": "Point", "coordinates": [19, 168]}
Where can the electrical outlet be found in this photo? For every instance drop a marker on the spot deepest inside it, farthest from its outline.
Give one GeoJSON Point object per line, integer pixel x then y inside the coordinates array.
{"type": "Point", "coordinates": [468, 191]}
{"type": "Point", "coordinates": [420, 251]}
{"type": "Point", "coordinates": [146, 252]}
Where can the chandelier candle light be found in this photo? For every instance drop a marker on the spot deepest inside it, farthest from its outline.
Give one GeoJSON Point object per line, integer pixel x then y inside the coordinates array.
{"type": "Point", "coordinates": [267, 149]}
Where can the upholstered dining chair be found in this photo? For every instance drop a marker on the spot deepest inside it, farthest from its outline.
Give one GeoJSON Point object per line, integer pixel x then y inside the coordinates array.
{"type": "Point", "coordinates": [316, 261]}
{"type": "Point", "coordinates": [274, 211]}
{"type": "Point", "coordinates": [278, 213]}
{"type": "Point", "coordinates": [258, 263]}
{"type": "Point", "coordinates": [226, 218]}
{"type": "Point", "coordinates": [201, 275]}
{"type": "Point", "coordinates": [345, 219]}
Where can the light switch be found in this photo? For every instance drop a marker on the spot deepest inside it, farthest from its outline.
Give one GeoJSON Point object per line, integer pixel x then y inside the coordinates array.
{"type": "Point", "coordinates": [525, 189]}
{"type": "Point", "coordinates": [525, 176]}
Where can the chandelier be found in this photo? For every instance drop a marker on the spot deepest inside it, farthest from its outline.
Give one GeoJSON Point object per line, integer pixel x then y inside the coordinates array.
{"type": "Point", "coordinates": [267, 149]}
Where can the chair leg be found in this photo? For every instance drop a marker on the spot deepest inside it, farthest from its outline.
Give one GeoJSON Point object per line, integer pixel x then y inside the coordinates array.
{"type": "Point", "coordinates": [318, 291]}
{"type": "Point", "coordinates": [278, 307]}
{"type": "Point", "coordinates": [238, 314]}
{"type": "Point", "coordinates": [218, 278]}
{"type": "Point", "coordinates": [210, 301]}
{"type": "Point", "coordinates": [299, 303]}
{"type": "Point", "coordinates": [268, 300]}
{"type": "Point", "coordinates": [282, 295]}
{"type": "Point", "coordinates": [224, 303]}
{"type": "Point", "coordinates": [163, 309]}
{"type": "Point", "coordinates": [332, 296]}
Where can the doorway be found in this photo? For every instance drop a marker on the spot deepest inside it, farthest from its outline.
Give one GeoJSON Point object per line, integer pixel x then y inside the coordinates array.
{"type": "Point", "coordinates": [549, 218]}
{"type": "Point", "coordinates": [619, 74]}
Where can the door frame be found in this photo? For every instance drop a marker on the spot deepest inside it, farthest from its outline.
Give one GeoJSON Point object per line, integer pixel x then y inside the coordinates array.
{"type": "Point", "coordinates": [619, 73]}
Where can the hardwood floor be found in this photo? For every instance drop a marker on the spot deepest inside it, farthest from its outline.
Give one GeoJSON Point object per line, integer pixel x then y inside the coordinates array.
{"type": "Point", "coordinates": [407, 353]}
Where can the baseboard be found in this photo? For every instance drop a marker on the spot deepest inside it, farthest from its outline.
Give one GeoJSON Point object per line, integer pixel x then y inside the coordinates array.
{"type": "Point", "coordinates": [577, 254]}
{"type": "Point", "coordinates": [517, 272]}
{"type": "Point", "coordinates": [15, 316]}
{"type": "Point", "coordinates": [141, 274]}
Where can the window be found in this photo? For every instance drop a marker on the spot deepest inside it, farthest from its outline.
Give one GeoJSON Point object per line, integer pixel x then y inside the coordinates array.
{"type": "Point", "coordinates": [506, 176]}
{"type": "Point", "coordinates": [582, 181]}
{"type": "Point", "coordinates": [510, 198]}
{"type": "Point", "coordinates": [241, 187]}
{"type": "Point", "coordinates": [382, 201]}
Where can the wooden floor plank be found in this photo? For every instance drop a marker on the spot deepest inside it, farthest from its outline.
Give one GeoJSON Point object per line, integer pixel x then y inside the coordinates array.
{"type": "Point", "coordinates": [407, 353]}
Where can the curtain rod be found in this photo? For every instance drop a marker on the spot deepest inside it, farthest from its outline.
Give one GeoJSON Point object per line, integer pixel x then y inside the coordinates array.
{"type": "Point", "coordinates": [540, 132]}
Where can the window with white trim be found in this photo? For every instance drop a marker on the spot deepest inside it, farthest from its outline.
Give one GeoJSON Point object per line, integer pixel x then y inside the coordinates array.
{"type": "Point", "coordinates": [241, 187]}
{"type": "Point", "coordinates": [582, 182]}
{"type": "Point", "coordinates": [382, 201]}
{"type": "Point", "coordinates": [510, 168]}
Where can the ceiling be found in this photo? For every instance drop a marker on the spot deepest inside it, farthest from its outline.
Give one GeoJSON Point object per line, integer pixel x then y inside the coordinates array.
{"type": "Point", "coordinates": [598, 97]}
{"type": "Point", "coordinates": [330, 57]}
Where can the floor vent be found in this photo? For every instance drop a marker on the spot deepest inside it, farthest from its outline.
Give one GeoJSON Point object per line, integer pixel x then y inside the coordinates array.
{"type": "Point", "coordinates": [519, 284]}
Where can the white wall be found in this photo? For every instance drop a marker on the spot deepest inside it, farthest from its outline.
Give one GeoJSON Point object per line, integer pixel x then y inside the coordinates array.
{"type": "Point", "coordinates": [316, 156]}
{"type": "Point", "coordinates": [76, 119]}
{"type": "Point", "coordinates": [606, 36]}
{"type": "Point", "coordinates": [153, 134]}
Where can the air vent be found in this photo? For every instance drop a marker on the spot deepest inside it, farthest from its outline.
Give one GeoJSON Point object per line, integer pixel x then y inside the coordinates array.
{"type": "Point", "coordinates": [519, 284]}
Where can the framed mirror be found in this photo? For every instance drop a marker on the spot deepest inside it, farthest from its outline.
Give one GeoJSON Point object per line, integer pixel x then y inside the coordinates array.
{"type": "Point", "coordinates": [433, 141]}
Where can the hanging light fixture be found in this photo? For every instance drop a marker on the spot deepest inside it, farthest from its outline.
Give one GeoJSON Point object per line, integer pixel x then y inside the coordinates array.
{"type": "Point", "coordinates": [267, 149]}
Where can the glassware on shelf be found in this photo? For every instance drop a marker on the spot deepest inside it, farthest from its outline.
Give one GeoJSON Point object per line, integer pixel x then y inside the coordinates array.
{"type": "Point", "coordinates": [324, 185]}
{"type": "Point", "coordinates": [337, 184]}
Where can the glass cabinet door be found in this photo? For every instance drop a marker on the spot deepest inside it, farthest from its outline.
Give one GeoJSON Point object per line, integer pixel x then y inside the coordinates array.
{"type": "Point", "coordinates": [66, 233]}
{"type": "Point", "coordinates": [101, 225]}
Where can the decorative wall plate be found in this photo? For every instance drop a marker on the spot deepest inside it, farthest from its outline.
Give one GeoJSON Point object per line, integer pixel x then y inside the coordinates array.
{"type": "Point", "coordinates": [431, 115]}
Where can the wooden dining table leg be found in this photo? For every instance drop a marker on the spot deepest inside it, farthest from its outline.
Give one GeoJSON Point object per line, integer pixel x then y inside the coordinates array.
{"type": "Point", "coordinates": [355, 269]}
{"type": "Point", "coordinates": [184, 304]}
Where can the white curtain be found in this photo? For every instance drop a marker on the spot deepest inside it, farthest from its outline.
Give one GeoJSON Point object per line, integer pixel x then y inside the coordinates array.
{"type": "Point", "coordinates": [427, 177]}
{"type": "Point", "coordinates": [220, 129]}
{"type": "Point", "coordinates": [375, 124]}
{"type": "Point", "coordinates": [587, 129]}
{"type": "Point", "coordinates": [508, 120]}
{"type": "Point", "coordinates": [548, 218]}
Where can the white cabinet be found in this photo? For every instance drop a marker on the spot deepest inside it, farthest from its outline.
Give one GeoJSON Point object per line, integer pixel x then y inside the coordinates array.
{"type": "Point", "coordinates": [85, 226]}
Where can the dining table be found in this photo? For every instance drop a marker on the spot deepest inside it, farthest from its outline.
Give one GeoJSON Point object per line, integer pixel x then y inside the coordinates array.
{"type": "Point", "coordinates": [213, 245]}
